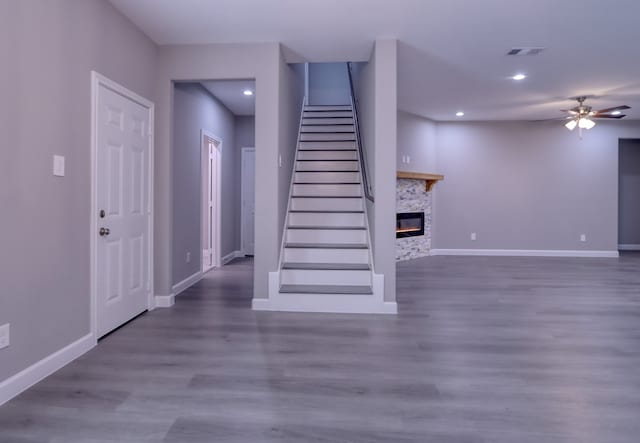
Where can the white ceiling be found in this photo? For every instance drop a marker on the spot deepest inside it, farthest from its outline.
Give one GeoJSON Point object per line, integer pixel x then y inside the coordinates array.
{"type": "Point", "coordinates": [451, 52]}
{"type": "Point", "coordinates": [230, 93]}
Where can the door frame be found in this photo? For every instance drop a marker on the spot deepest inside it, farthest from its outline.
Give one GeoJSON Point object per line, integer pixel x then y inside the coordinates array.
{"type": "Point", "coordinates": [98, 80]}
{"type": "Point", "coordinates": [217, 258]}
{"type": "Point", "coordinates": [242, 208]}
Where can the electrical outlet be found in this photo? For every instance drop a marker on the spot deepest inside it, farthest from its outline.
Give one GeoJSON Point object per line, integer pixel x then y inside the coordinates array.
{"type": "Point", "coordinates": [408, 159]}
{"type": "Point", "coordinates": [188, 257]}
{"type": "Point", "coordinates": [474, 237]}
{"type": "Point", "coordinates": [583, 237]}
{"type": "Point", "coordinates": [4, 336]}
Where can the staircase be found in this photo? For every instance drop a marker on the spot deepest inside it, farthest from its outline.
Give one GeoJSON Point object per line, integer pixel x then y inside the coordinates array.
{"type": "Point", "coordinates": [326, 261]}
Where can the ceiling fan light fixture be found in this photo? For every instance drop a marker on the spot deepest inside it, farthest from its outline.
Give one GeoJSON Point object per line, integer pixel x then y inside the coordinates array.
{"type": "Point", "coordinates": [586, 123]}
{"type": "Point", "coordinates": [571, 125]}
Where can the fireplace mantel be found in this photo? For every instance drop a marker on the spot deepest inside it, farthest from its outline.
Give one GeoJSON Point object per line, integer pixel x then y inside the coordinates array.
{"type": "Point", "coordinates": [429, 179]}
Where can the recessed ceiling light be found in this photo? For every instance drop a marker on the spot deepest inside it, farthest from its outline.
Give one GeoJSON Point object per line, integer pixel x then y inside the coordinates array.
{"type": "Point", "coordinates": [459, 114]}
{"type": "Point", "coordinates": [616, 113]}
{"type": "Point", "coordinates": [247, 92]}
{"type": "Point", "coordinates": [519, 77]}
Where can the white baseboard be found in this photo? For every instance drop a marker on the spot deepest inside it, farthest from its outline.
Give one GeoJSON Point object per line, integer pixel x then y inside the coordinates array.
{"type": "Point", "coordinates": [28, 377]}
{"type": "Point", "coordinates": [629, 247]}
{"type": "Point", "coordinates": [186, 283]}
{"type": "Point", "coordinates": [526, 253]}
{"type": "Point", "coordinates": [235, 254]}
{"type": "Point", "coordinates": [164, 301]}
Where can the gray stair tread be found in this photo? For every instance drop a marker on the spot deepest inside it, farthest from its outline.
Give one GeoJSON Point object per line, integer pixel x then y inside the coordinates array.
{"type": "Point", "coordinates": [327, 108]}
{"type": "Point", "coordinates": [329, 148]}
{"type": "Point", "coordinates": [326, 245]}
{"type": "Point", "coordinates": [329, 228]}
{"type": "Point", "coordinates": [326, 196]}
{"type": "Point", "coordinates": [329, 211]}
{"type": "Point", "coordinates": [326, 289]}
{"type": "Point", "coordinates": [327, 170]}
{"type": "Point", "coordinates": [315, 129]}
{"type": "Point", "coordinates": [326, 183]}
{"type": "Point", "coordinates": [327, 266]}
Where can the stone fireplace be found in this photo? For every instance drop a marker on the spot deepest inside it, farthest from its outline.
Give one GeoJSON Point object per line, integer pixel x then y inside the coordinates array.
{"type": "Point", "coordinates": [413, 197]}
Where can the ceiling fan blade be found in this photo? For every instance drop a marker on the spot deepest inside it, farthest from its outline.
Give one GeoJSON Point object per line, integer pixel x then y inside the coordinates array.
{"type": "Point", "coordinates": [608, 116]}
{"type": "Point", "coordinates": [616, 108]}
{"type": "Point", "coordinates": [570, 111]}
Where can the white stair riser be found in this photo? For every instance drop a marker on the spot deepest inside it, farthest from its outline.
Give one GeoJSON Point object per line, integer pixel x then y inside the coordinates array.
{"type": "Point", "coordinates": [326, 219]}
{"type": "Point", "coordinates": [327, 121]}
{"type": "Point", "coordinates": [324, 277]}
{"type": "Point", "coordinates": [313, 255]}
{"type": "Point", "coordinates": [327, 155]}
{"type": "Point", "coordinates": [327, 177]}
{"type": "Point", "coordinates": [326, 108]}
{"type": "Point", "coordinates": [336, 145]}
{"type": "Point", "coordinates": [326, 204]}
{"type": "Point", "coordinates": [306, 136]}
{"type": "Point", "coordinates": [326, 236]}
{"type": "Point", "coordinates": [327, 190]}
{"type": "Point", "coordinates": [326, 114]}
{"type": "Point", "coordinates": [317, 165]}
{"type": "Point", "coordinates": [327, 128]}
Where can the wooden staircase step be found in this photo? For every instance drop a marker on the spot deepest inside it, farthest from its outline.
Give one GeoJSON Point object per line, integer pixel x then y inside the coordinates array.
{"type": "Point", "coordinates": [328, 266]}
{"type": "Point", "coordinates": [325, 289]}
{"type": "Point", "coordinates": [330, 211]}
{"type": "Point", "coordinates": [328, 108]}
{"type": "Point", "coordinates": [328, 228]}
{"type": "Point", "coordinates": [326, 245]}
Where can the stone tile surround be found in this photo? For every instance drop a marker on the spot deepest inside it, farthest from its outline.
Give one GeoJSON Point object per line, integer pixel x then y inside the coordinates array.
{"type": "Point", "coordinates": [412, 197]}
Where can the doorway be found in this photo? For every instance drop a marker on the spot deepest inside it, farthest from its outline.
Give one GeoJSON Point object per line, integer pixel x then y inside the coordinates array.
{"type": "Point", "coordinates": [211, 199]}
{"type": "Point", "coordinates": [628, 192]}
{"type": "Point", "coordinates": [248, 180]}
{"type": "Point", "coordinates": [122, 205]}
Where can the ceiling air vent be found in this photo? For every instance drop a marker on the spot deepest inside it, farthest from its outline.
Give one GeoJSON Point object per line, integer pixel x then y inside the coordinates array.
{"type": "Point", "coordinates": [525, 51]}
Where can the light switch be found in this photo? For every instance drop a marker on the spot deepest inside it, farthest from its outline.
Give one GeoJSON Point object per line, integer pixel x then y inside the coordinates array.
{"type": "Point", "coordinates": [58, 165]}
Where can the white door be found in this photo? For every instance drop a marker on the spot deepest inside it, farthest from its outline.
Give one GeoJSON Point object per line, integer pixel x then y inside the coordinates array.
{"type": "Point", "coordinates": [248, 199]}
{"type": "Point", "coordinates": [210, 205]}
{"type": "Point", "coordinates": [124, 209]}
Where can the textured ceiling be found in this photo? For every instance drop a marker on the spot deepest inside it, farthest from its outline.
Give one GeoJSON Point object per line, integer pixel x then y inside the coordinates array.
{"type": "Point", "coordinates": [451, 52]}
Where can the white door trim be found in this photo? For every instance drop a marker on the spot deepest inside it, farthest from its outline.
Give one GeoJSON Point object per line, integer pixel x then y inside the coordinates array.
{"type": "Point", "coordinates": [242, 208]}
{"type": "Point", "coordinates": [98, 80]}
{"type": "Point", "coordinates": [204, 135]}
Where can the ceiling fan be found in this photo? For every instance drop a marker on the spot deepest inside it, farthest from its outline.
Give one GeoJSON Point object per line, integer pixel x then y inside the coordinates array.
{"type": "Point", "coordinates": [582, 115]}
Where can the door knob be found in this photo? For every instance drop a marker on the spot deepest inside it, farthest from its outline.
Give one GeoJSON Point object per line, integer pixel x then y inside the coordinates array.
{"type": "Point", "coordinates": [104, 231]}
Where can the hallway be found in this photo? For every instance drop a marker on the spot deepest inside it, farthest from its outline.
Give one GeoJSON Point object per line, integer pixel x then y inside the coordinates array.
{"type": "Point", "coordinates": [484, 349]}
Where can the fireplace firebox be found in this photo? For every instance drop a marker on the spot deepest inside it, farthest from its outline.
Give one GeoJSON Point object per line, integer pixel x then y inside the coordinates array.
{"type": "Point", "coordinates": [409, 224]}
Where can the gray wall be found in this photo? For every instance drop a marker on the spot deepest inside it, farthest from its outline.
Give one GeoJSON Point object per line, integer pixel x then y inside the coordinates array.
{"type": "Point", "coordinates": [629, 193]}
{"type": "Point", "coordinates": [48, 49]}
{"type": "Point", "coordinates": [291, 97]}
{"type": "Point", "coordinates": [417, 141]}
{"type": "Point", "coordinates": [328, 84]}
{"type": "Point", "coordinates": [196, 109]}
{"type": "Point", "coordinates": [262, 62]}
{"type": "Point", "coordinates": [364, 86]}
{"type": "Point", "coordinates": [376, 89]}
{"type": "Point", "coordinates": [245, 136]}
{"type": "Point", "coordinates": [531, 186]}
